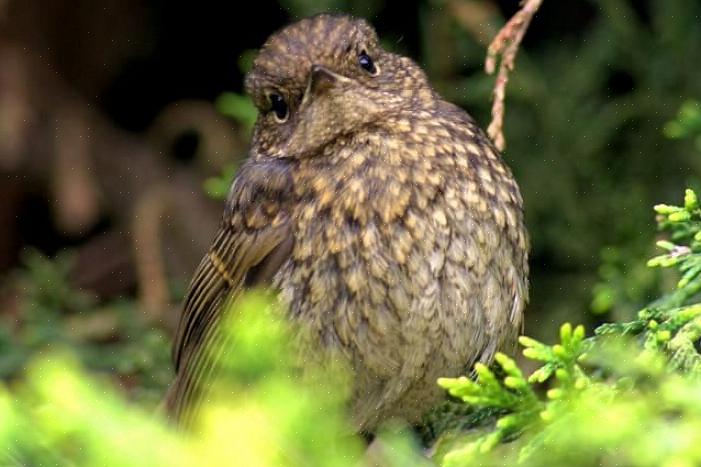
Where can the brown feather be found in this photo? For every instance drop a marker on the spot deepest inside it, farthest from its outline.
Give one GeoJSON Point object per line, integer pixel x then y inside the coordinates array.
{"type": "Point", "coordinates": [249, 247]}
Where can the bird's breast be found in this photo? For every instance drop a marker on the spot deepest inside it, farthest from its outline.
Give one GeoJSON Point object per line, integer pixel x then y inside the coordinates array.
{"type": "Point", "coordinates": [399, 243]}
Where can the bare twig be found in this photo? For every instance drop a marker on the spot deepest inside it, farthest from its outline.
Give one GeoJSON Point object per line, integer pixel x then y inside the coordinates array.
{"type": "Point", "coordinates": [505, 45]}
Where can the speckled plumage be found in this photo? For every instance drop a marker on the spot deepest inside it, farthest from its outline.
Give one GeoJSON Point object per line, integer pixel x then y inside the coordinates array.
{"type": "Point", "coordinates": [383, 215]}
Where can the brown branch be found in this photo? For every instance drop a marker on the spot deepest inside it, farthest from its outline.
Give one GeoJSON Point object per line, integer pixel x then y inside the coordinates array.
{"type": "Point", "coordinates": [505, 46]}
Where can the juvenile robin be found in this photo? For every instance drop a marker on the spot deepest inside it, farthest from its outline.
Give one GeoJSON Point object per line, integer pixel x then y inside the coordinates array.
{"type": "Point", "coordinates": [382, 214]}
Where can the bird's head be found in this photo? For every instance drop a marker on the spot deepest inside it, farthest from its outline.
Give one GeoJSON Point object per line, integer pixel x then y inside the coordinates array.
{"type": "Point", "coordinates": [323, 77]}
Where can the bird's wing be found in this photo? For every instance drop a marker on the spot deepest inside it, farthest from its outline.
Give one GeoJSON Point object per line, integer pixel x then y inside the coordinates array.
{"type": "Point", "coordinates": [251, 244]}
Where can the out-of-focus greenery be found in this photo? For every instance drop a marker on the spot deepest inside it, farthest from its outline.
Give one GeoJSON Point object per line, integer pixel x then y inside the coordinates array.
{"type": "Point", "coordinates": [218, 186]}
{"type": "Point", "coordinates": [263, 410]}
{"type": "Point", "coordinates": [110, 338]}
{"type": "Point", "coordinates": [624, 282]}
{"type": "Point", "coordinates": [240, 108]}
{"type": "Point", "coordinates": [687, 124]}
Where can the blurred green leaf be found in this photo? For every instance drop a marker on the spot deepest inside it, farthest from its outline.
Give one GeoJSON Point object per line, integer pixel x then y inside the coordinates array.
{"type": "Point", "coordinates": [238, 107]}
{"type": "Point", "coordinates": [218, 187]}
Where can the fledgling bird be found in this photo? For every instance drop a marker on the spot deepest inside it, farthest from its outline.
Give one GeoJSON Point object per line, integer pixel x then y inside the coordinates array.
{"type": "Point", "coordinates": [382, 214]}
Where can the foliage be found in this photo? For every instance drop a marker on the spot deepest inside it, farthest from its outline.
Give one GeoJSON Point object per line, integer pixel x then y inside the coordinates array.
{"type": "Point", "coordinates": [687, 124]}
{"type": "Point", "coordinates": [217, 187]}
{"type": "Point", "coordinates": [626, 396]}
{"type": "Point", "coordinates": [107, 338]}
{"type": "Point", "coordinates": [262, 411]}
{"type": "Point", "coordinates": [237, 107]}
{"type": "Point", "coordinates": [623, 283]}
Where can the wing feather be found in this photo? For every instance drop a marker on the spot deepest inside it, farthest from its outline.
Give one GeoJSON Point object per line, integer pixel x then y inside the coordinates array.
{"type": "Point", "coordinates": [253, 241]}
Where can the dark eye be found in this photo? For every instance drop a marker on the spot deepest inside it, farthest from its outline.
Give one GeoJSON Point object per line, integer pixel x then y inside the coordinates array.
{"type": "Point", "coordinates": [279, 106]}
{"type": "Point", "coordinates": [366, 63]}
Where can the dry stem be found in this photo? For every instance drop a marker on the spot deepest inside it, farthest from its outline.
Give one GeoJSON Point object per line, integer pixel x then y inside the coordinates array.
{"type": "Point", "coordinates": [506, 45]}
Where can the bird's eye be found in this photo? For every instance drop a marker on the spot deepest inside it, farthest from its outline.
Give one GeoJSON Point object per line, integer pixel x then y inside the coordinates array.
{"type": "Point", "coordinates": [279, 106]}
{"type": "Point", "coordinates": [366, 63]}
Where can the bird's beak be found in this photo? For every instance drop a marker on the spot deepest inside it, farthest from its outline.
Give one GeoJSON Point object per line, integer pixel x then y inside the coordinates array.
{"type": "Point", "coordinates": [321, 79]}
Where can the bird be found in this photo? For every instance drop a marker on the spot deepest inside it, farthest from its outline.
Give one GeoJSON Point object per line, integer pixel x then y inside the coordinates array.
{"type": "Point", "coordinates": [382, 216]}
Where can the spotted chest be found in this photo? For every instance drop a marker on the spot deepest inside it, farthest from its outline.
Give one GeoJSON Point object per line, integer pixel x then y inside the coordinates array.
{"type": "Point", "coordinates": [408, 243]}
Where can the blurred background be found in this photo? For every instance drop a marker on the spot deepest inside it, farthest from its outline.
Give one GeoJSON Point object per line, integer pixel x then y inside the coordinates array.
{"type": "Point", "coordinates": [122, 123]}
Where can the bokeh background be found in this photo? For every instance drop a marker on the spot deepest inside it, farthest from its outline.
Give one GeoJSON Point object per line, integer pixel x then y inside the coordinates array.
{"type": "Point", "coordinates": [122, 122]}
